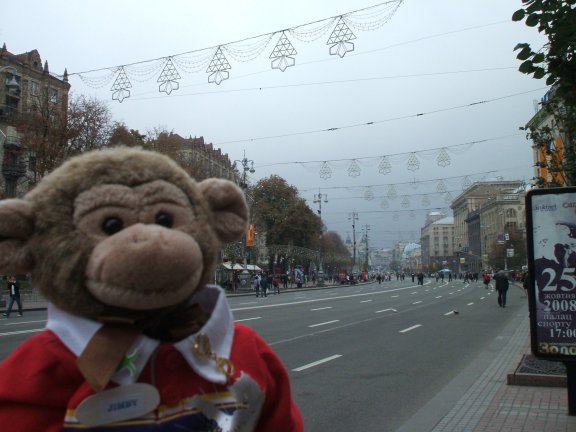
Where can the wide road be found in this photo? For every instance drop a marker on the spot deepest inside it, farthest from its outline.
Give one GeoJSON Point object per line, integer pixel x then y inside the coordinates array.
{"type": "Point", "coordinates": [364, 357]}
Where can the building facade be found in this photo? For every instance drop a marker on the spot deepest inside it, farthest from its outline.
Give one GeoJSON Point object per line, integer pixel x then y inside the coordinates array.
{"type": "Point", "coordinates": [437, 243]}
{"type": "Point", "coordinates": [27, 86]}
{"type": "Point", "coordinates": [484, 214]}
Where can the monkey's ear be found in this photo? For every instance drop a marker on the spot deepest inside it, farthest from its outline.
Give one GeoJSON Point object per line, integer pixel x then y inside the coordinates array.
{"type": "Point", "coordinates": [16, 228]}
{"type": "Point", "coordinates": [229, 206]}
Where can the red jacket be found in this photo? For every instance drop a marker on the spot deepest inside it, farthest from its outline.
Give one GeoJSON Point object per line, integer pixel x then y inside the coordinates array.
{"type": "Point", "coordinates": [40, 388]}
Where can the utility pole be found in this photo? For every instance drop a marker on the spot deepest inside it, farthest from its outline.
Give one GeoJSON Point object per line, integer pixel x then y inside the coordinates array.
{"type": "Point", "coordinates": [318, 200]}
{"type": "Point", "coordinates": [246, 165]}
{"type": "Point", "coordinates": [354, 218]}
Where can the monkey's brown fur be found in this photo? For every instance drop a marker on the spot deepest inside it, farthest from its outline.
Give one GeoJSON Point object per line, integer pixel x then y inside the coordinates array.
{"type": "Point", "coordinates": [42, 234]}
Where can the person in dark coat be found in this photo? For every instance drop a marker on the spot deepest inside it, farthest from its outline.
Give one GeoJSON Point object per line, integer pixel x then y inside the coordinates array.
{"type": "Point", "coordinates": [501, 279]}
{"type": "Point", "coordinates": [14, 291]}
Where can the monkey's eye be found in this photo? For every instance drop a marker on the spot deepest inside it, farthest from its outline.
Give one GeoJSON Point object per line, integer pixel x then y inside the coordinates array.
{"type": "Point", "coordinates": [112, 225]}
{"type": "Point", "coordinates": [164, 219]}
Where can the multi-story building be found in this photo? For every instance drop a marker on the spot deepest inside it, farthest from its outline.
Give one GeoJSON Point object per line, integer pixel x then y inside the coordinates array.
{"type": "Point", "coordinates": [483, 215]}
{"type": "Point", "coordinates": [437, 243]}
{"type": "Point", "coordinates": [27, 86]}
{"type": "Point", "coordinates": [549, 153]}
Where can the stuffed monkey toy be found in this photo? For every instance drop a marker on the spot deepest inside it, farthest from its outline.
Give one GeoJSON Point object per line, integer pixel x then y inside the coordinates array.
{"type": "Point", "coordinates": [123, 244]}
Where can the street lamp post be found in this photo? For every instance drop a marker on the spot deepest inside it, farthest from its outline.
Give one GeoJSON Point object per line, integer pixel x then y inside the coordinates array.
{"type": "Point", "coordinates": [318, 200]}
{"type": "Point", "coordinates": [247, 165]}
{"type": "Point", "coordinates": [354, 218]}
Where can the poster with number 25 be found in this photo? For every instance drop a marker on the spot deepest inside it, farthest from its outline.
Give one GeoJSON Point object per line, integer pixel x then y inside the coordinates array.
{"type": "Point", "coordinates": [551, 234]}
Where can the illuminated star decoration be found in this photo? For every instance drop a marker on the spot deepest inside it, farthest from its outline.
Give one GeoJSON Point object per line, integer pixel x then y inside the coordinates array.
{"type": "Point", "coordinates": [128, 362]}
{"type": "Point", "coordinates": [218, 66]}
{"type": "Point", "coordinates": [121, 86]}
{"type": "Point", "coordinates": [340, 39]}
{"type": "Point", "coordinates": [168, 78]}
{"type": "Point", "coordinates": [282, 52]}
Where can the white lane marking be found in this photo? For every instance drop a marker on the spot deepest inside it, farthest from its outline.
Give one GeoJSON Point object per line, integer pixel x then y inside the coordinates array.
{"type": "Point", "coordinates": [386, 310]}
{"type": "Point", "coordinates": [365, 301]}
{"type": "Point", "coordinates": [470, 304]}
{"type": "Point", "coordinates": [324, 323]}
{"type": "Point", "coordinates": [438, 297]}
{"type": "Point", "coordinates": [316, 363]}
{"type": "Point", "coordinates": [482, 298]}
{"type": "Point", "coordinates": [394, 296]}
{"type": "Point", "coordinates": [248, 319]}
{"type": "Point", "coordinates": [410, 328]}
{"type": "Point", "coordinates": [416, 302]}
{"type": "Point", "coordinates": [23, 322]}
{"type": "Point", "coordinates": [415, 292]}
{"type": "Point", "coordinates": [248, 303]}
{"type": "Point", "coordinates": [21, 332]}
{"type": "Point", "coordinates": [449, 313]}
{"type": "Point", "coordinates": [322, 308]}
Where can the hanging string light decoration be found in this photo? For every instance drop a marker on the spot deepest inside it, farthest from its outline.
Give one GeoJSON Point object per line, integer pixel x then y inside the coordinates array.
{"type": "Point", "coordinates": [354, 169]}
{"type": "Point", "coordinates": [384, 204]}
{"type": "Point", "coordinates": [369, 194]}
{"type": "Point", "coordinates": [443, 158]}
{"type": "Point", "coordinates": [218, 67]}
{"type": "Point", "coordinates": [392, 193]}
{"type": "Point", "coordinates": [120, 88]}
{"type": "Point", "coordinates": [384, 167]}
{"type": "Point", "coordinates": [405, 202]}
{"type": "Point", "coordinates": [282, 52]}
{"type": "Point", "coordinates": [168, 78]}
{"type": "Point", "coordinates": [340, 38]}
{"type": "Point", "coordinates": [448, 198]}
{"type": "Point", "coordinates": [413, 163]}
{"type": "Point", "coordinates": [441, 186]}
{"type": "Point", "coordinates": [466, 182]}
{"type": "Point", "coordinates": [325, 171]}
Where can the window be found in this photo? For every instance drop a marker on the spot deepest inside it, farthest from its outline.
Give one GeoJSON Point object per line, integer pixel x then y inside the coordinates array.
{"type": "Point", "coordinates": [53, 95]}
{"type": "Point", "coordinates": [33, 88]}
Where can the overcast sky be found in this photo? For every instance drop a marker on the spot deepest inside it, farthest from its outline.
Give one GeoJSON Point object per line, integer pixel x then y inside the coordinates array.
{"type": "Point", "coordinates": [367, 130]}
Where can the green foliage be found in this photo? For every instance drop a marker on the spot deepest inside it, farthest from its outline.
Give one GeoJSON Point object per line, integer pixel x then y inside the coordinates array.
{"type": "Point", "coordinates": [555, 61]}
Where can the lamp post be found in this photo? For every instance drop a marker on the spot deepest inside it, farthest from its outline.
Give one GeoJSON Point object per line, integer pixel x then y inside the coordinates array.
{"type": "Point", "coordinates": [247, 165]}
{"type": "Point", "coordinates": [318, 200]}
{"type": "Point", "coordinates": [353, 217]}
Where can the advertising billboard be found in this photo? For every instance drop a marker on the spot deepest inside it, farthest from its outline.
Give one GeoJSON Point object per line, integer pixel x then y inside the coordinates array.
{"type": "Point", "coordinates": [551, 233]}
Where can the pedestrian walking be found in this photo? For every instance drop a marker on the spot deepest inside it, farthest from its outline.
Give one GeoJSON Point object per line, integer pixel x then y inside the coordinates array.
{"type": "Point", "coordinates": [501, 280]}
{"type": "Point", "coordinates": [256, 283]}
{"type": "Point", "coordinates": [276, 284]}
{"type": "Point", "coordinates": [14, 291]}
{"type": "Point", "coordinates": [264, 285]}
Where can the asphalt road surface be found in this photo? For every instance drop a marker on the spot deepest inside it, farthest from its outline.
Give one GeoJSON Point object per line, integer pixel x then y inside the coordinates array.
{"type": "Point", "coordinates": [363, 357]}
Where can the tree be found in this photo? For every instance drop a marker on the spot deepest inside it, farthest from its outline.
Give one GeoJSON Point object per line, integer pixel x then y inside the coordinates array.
{"type": "Point", "coordinates": [284, 216]}
{"type": "Point", "coordinates": [53, 135]}
{"type": "Point", "coordinates": [122, 136]}
{"type": "Point", "coordinates": [336, 254]}
{"type": "Point", "coordinates": [498, 255]}
{"type": "Point", "coordinates": [556, 61]}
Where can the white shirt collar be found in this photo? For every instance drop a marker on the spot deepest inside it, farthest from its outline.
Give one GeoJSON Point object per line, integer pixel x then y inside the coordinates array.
{"type": "Point", "coordinates": [75, 332]}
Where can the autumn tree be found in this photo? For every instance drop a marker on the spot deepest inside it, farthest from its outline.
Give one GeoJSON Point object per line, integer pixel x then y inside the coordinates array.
{"type": "Point", "coordinates": [336, 254]}
{"type": "Point", "coordinates": [498, 252]}
{"type": "Point", "coordinates": [284, 216]}
{"type": "Point", "coordinates": [555, 61]}
{"type": "Point", "coordinates": [52, 135]}
{"type": "Point", "coordinates": [122, 136]}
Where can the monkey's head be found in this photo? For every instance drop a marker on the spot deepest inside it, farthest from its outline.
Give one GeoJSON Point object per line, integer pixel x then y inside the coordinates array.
{"type": "Point", "coordinates": [120, 230]}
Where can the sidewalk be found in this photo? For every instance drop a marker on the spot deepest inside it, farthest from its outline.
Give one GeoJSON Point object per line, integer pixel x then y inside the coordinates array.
{"type": "Point", "coordinates": [488, 404]}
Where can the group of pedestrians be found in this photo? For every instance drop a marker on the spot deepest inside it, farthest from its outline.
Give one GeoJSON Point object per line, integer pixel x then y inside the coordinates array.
{"type": "Point", "coordinates": [263, 282]}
